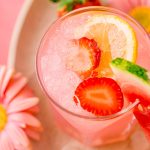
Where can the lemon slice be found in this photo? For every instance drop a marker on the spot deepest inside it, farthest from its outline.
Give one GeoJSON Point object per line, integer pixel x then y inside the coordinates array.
{"type": "Point", "coordinates": [142, 14]}
{"type": "Point", "coordinates": [115, 37]}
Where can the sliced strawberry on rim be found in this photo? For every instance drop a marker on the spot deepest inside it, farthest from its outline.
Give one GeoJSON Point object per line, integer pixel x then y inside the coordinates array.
{"type": "Point", "coordinates": [85, 59]}
{"type": "Point", "coordinates": [100, 96]}
{"type": "Point", "coordinates": [87, 3]}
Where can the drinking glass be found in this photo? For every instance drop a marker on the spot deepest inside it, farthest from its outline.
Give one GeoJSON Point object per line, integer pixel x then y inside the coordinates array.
{"type": "Point", "coordinates": [90, 130]}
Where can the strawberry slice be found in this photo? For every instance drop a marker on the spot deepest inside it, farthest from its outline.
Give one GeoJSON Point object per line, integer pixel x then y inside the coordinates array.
{"type": "Point", "coordinates": [100, 96]}
{"type": "Point", "coordinates": [87, 3]}
{"type": "Point", "coordinates": [85, 59]}
{"type": "Point", "coordinates": [69, 5]}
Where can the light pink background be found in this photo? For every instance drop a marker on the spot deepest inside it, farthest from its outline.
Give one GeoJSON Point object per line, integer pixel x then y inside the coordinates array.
{"type": "Point", "coordinates": [9, 10]}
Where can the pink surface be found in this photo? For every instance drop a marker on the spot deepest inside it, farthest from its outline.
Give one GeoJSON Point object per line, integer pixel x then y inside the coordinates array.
{"type": "Point", "coordinates": [9, 11]}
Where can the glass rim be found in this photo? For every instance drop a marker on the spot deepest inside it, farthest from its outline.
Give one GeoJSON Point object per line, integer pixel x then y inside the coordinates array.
{"type": "Point", "coordinates": [72, 13]}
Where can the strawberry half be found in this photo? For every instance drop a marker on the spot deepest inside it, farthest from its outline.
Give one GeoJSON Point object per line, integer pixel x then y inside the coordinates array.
{"type": "Point", "coordinates": [100, 96]}
{"type": "Point", "coordinates": [85, 59]}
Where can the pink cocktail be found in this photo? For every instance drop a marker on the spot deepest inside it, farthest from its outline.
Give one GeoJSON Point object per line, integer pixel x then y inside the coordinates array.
{"type": "Point", "coordinates": [60, 83]}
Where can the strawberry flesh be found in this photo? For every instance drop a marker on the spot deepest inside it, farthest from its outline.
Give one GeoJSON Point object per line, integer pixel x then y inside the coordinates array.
{"type": "Point", "coordinates": [87, 3]}
{"type": "Point", "coordinates": [100, 96]}
{"type": "Point", "coordinates": [85, 59]}
{"type": "Point", "coordinates": [142, 114]}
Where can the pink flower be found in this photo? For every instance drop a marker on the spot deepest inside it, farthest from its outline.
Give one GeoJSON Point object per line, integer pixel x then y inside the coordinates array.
{"type": "Point", "coordinates": [138, 9]}
{"type": "Point", "coordinates": [18, 106]}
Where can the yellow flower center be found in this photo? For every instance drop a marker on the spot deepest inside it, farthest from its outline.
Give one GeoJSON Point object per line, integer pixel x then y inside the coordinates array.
{"type": "Point", "coordinates": [3, 118]}
{"type": "Point", "coordinates": [142, 14]}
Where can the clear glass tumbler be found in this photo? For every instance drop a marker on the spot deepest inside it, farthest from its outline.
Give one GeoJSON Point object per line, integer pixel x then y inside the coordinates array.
{"type": "Point", "coordinates": [90, 130]}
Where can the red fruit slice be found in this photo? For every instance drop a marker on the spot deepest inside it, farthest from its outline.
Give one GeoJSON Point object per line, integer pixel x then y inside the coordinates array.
{"type": "Point", "coordinates": [85, 58]}
{"type": "Point", "coordinates": [100, 96]}
{"type": "Point", "coordinates": [87, 3]}
{"type": "Point", "coordinates": [142, 114]}
{"type": "Point", "coordinates": [133, 93]}
{"type": "Point", "coordinates": [133, 79]}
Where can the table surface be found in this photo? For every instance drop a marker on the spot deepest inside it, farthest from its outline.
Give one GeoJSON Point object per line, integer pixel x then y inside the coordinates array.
{"type": "Point", "coordinates": [9, 11]}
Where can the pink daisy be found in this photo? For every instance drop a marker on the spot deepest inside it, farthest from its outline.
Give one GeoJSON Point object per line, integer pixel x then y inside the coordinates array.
{"type": "Point", "coordinates": [138, 9]}
{"type": "Point", "coordinates": [18, 106]}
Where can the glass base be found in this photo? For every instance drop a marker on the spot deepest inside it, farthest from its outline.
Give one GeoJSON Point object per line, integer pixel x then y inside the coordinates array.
{"type": "Point", "coordinates": [83, 131]}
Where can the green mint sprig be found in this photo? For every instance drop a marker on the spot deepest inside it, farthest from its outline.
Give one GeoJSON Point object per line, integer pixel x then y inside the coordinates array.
{"type": "Point", "coordinates": [68, 4]}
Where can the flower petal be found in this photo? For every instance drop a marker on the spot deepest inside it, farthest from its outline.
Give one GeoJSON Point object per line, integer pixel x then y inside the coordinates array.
{"type": "Point", "coordinates": [18, 136]}
{"type": "Point", "coordinates": [8, 75]}
{"type": "Point", "coordinates": [124, 5]}
{"type": "Point", "coordinates": [16, 106]}
{"type": "Point", "coordinates": [2, 74]}
{"type": "Point", "coordinates": [32, 134]}
{"type": "Point", "coordinates": [33, 110]}
{"type": "Point", "coordinates": [135, 3]}
{"type": "Point", "coordinates": [146, 3]}
{"type": "Point", "coordinates": [128, 5]}
{"type": "Point", "coordinates": [25, 118]}
{"type": "Point", "coordinates": [5, 142]}
{"type": "Point", "coordinates": [37, 129]}
{"type": "Point", "coordinates": [15, 86]}
{"type": "Point", "coordinates": [24, 93]}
